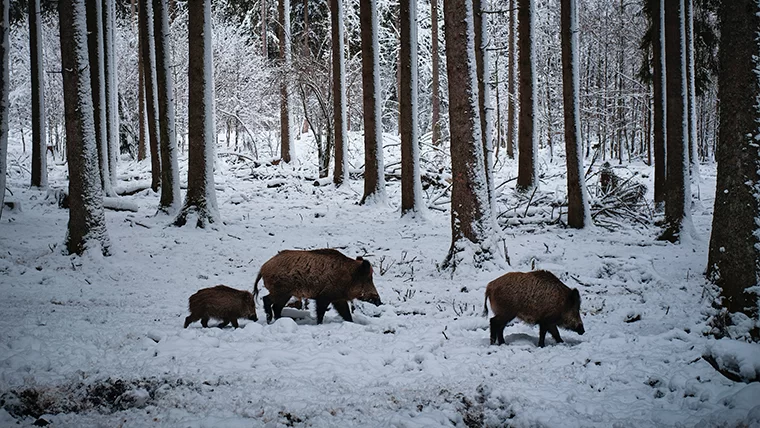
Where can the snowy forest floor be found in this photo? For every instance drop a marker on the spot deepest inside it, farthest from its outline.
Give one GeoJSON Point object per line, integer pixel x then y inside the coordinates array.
{"type": "Point", "coordinates": [98, 341]}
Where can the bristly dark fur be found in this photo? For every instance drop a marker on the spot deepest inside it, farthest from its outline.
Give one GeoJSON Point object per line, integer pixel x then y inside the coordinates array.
{"type": "Point", "coordinates": [221, 302]}
{"type": "Point", "coordinates": [537, 297]}
{"type": "Point", "coordinates": [325, 275]}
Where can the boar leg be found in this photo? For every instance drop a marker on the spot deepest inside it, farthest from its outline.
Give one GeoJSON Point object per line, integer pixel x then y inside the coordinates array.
{"type": "Point", "coordinates": [322, 305]}
{"type": "Point", "coordinates": [204, 322]}
{"type": "Point", "coordinates": [343, 310]}
{"type": "Point", "coordinates": [542, 328]}
{"type": "Point", "coordinates": [234, 322]}
{"type": "Point", "coordinates": [267, 307]}
{"type": "Point", "coordinates": [555, 333]}
{"type": "Point", "coordinates": [223, 324]}
{"type": "Point", "coordinates": [191, 319]}
{"type": "Point", "coordinates": [279, 302]}
{"type": "Point", "coordinates": [497, 328]}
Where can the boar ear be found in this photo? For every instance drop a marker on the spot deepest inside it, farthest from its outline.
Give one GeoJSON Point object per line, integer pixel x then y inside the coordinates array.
{"type": "Point", "coordinates": [575, 297]}
{"type": "Point", "coordinates": [365, 269]}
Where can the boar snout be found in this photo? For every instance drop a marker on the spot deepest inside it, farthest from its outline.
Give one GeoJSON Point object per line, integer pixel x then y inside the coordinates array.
{"type": "Point", "coordinates": [255, 318]}
{"type": "Point", "coordinates": [580, 329]}
{"type": "Point", "coordinates": [374, 300]}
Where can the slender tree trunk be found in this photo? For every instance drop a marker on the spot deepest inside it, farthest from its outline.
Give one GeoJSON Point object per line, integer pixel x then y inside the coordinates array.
{"type": "Point", "coordinates": [264, 33]}
{"type": "Point", "coordinates": [286, 140]}
{"type": "Point", "coordinates": [39, 142]}
{"type": "Point", "coordinates": [200, 200]}
{"type": "Point", "coordinates": [677, 192]}
{"type": "Point", "coordinates": [340, 174]}
{"type": "Point", "coordinates": [691, 83]}
{"type": "Point", "coordinates": [87, 222]}
{"type": "Point", "coordinates": [471, 215]}
{"type": "Point", "coordinates": [374, 171]}
{"type": "Point", "coordinates": [97, 80]}
{"type": "Point", "coordinates": [111, 88]}
{"type": "Point", "coordinates": [512, 95]}
{"type": "Point", "coordinates": [411, 186]}
{"type": "Point", "coordinates": [435, 88]}
{"type": "Point", "coordinates": [170, 194]}
{"type": "Point", "coordinates": [734, 256]}
{"type": "Point", "coordinates": [483, 72]}
{"type": "Point", "coordinates": [145, 16]}
{"type": "Point", "coordinates": [4, 96]}
{"type": "Point", "coordinates": [526, 174]}
{"type": "Point", "coordinates": [659, 103]}
{"type": "Point", "coordinates": [141, 146]}
{"type": "Point", "coordinates": [578, 211]}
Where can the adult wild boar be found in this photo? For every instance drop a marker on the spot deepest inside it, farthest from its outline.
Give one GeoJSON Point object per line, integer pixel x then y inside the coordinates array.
{"type": "Point", "coordinates": [536, 297]}
{"type": "Point", "coordinates": [325, 275]}
{"type": "Point", "coordinates": [221, 302]}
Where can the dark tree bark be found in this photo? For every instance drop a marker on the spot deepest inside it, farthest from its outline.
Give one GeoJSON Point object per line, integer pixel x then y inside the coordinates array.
{"type": "Point", "coordinates": [111, 87]}
{"type": "Point", "coordinates": [340, 174]}
{"type": "Point", "coordinates": [471, 216]}
{"type": "Point", "coordinates": [39, 142]}
{"type": "Point", "coordinates": [145, 17]}
{"type": "Point", "coordinates": [691, 88]}
{"type": "Point", "coordinates": [435, 86]}
{"type": "Point", "coordinates": [578, 212]}
{"type": "Point", "coordinates": [200, 200]}
{"type": "Point", "coordinates": [4, 95]}
{"type": "Point", "coordinates": [734, 256]}
{"type": "Point", "coordinates": [286, 140]}
{"type": "Point", "coordinates": [374, 171]}
{"type": "Point", "coordinates": [483, 73]}
{"type": "Point", "coordinates": [170, 194]}
{"type": "Point", "coordinates": [677, 192]}
{"type": "Point", "coordinates": [526, 171]}
{"type": "Point", "coordinates": [97, 80]}
{"type": "Point", "coordinates": [141, 146]}
{"type": "Point", "coordinates": [512, 85]}
{"type": "Point", "coordinates": [411, 184]}
{"type": "Point", "coordinates": [264, 25]}
{"type": "Point", "coordinates": [658, 75]}
{"type": "Point", "coordinates": [87, 222]}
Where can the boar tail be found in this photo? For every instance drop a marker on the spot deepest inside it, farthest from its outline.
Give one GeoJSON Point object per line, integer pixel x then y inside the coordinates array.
{"type": "Point", "coordinates": [485, 306]}
{"type": "Point", "coordinates": [256, 285]}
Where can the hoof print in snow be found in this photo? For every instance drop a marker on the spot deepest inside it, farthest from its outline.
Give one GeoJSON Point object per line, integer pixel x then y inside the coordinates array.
{"type": "Point", "coordinates": [632, 317]}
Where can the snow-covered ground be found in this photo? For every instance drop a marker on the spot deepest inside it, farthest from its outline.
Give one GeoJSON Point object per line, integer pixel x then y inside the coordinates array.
{"type": "Point", "coordinates": [98, 341]}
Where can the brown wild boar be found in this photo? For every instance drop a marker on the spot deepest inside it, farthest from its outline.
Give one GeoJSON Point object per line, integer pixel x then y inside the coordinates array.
{"type": "Point", "coordinates": [325, 275]}
{"type": "Point", "coordinates": [536, 297]}
{"type": "Point", "coordinates": [221, 302]}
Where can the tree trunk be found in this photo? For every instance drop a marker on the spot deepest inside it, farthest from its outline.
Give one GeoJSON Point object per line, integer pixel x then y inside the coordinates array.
{"type": "Point", "coordinates": [200, 200]}
{"type": "Point", "coordinates": [286, 140]}
{"type": "Point", "coordinates": [111, 88]}
{"type": "Point", "coordinates": [471, 215]}
{"type": "Point", "coordinates": [374, 171]}
{"type": "Point", "coordinates": [141, 149]}
{"type": "Point", "coordinates": [734, 255]}
{"type": "Point", "coordinates": [526, 173]}
{"type": "Point", "coordinates": [691, 87]}
{"type": "Point", "coordinates": [264, 34]}
{"type": "Point", "coordinates": [512, 85]}
{"type": "Point", "coordinates": [578, 211]}
{"type": "Point", "coordinates": [39, 142]}
{"type": "Point", "coordinates": [435, 87]}
{"type": "Point", "coordinates": [483, 73]}
{"type": "Point", "coordinates": [170, 194]}
{"type": "Point", "coordinates": [411, 186]}
{"type": "Point", "coordinates": [87, 222]}
{"type": "Point", "coordinates": [5, 67]}
{"type": "Point", "coordinates": [658, 76]}
{"type": "Point", "coordinates": [340, 174]}
{"type": "Point", "coordinates": [677, 192]}
{"type": "Point", "coordinates": [97, 80]}
{"type": "Point", "coordinates": [145, 16]}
